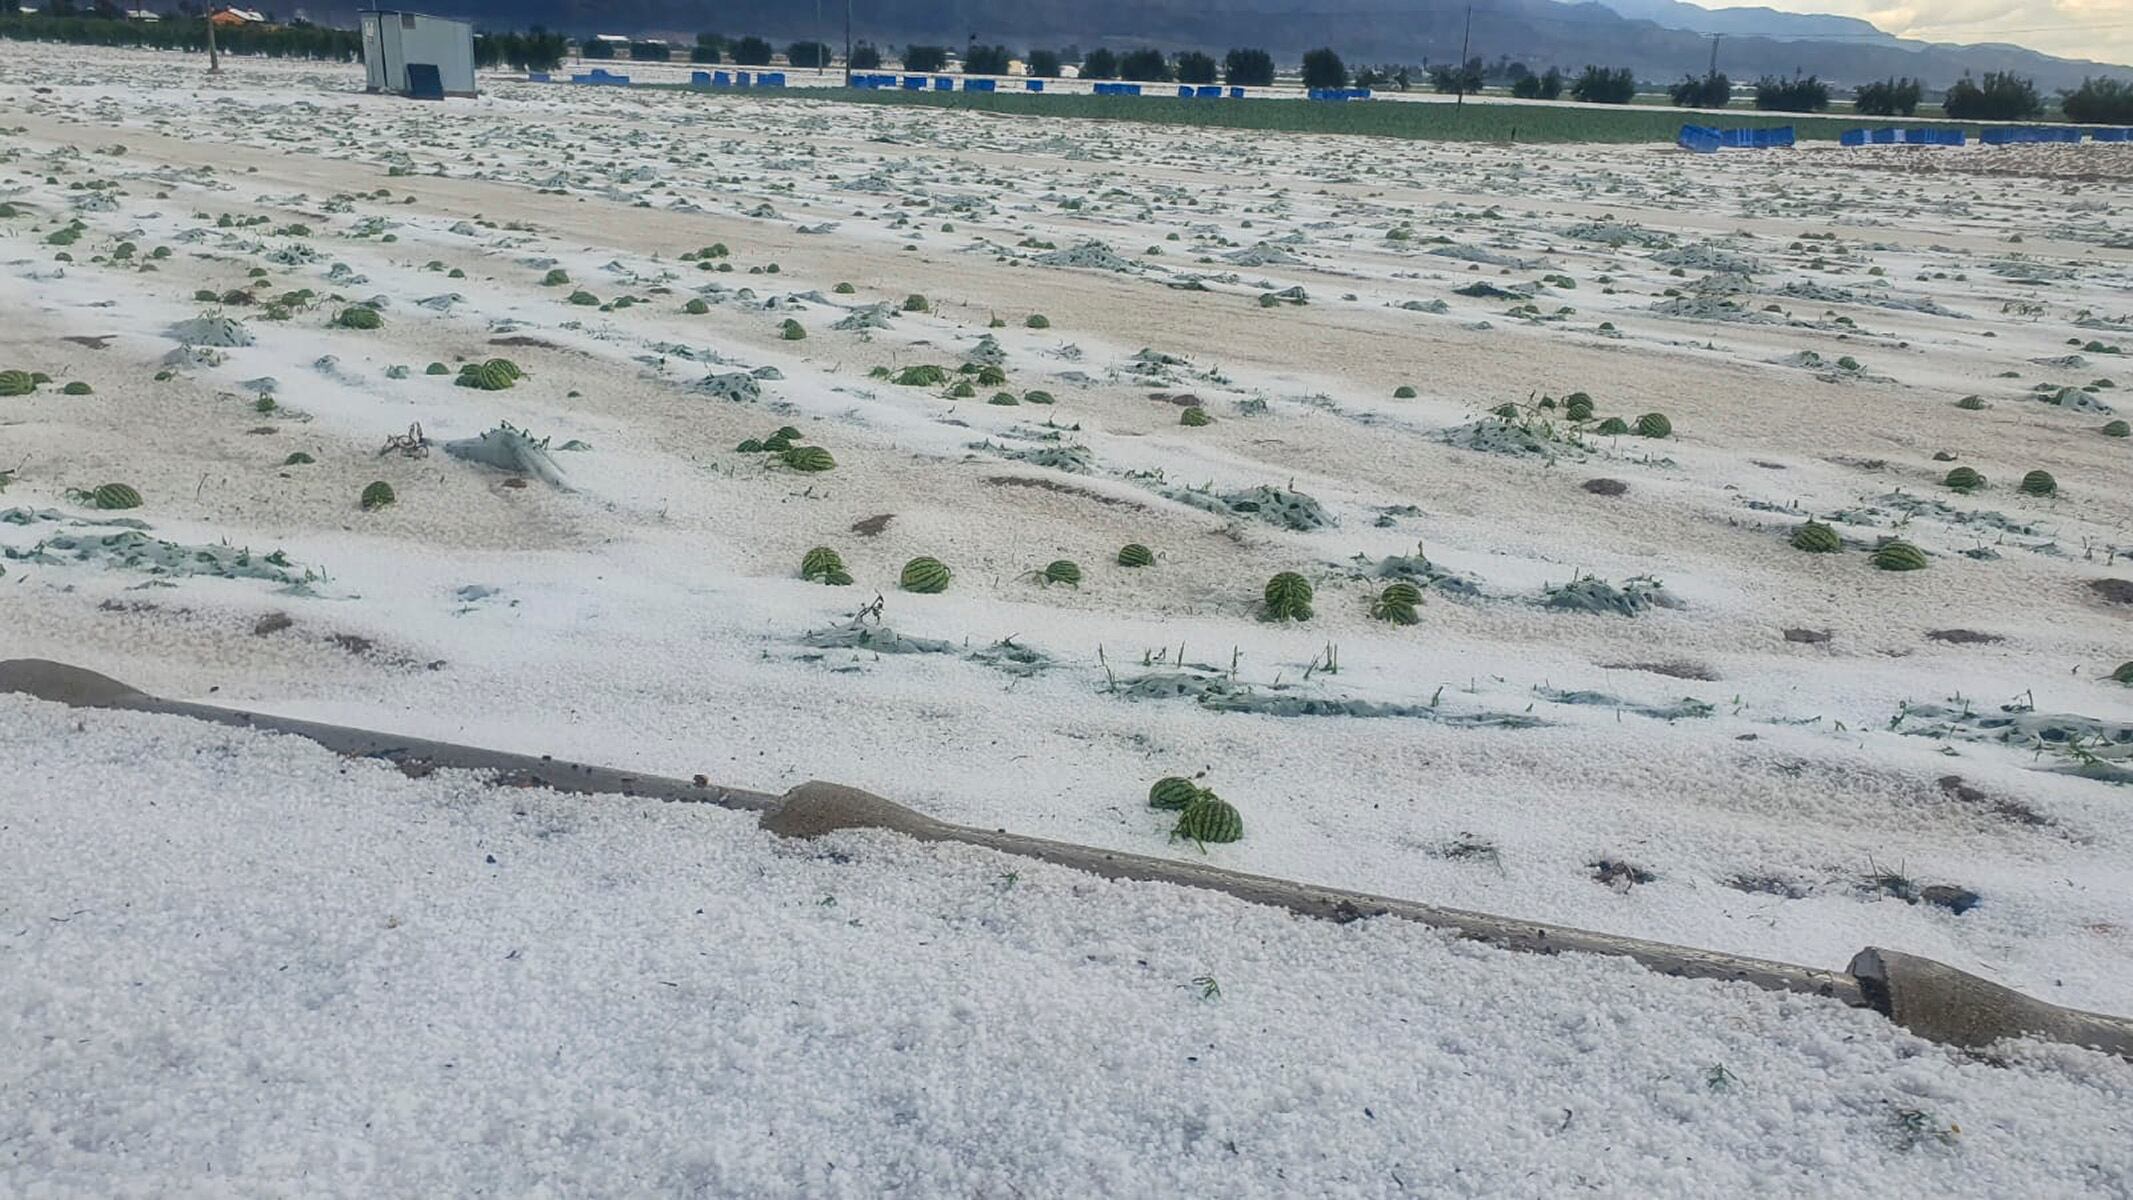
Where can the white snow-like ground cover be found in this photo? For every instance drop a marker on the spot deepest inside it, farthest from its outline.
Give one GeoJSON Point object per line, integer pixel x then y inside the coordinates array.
{"type": "Point", "coordinates": [1791, 763]}
{"type": "Point", "coordinates": [236, 964]}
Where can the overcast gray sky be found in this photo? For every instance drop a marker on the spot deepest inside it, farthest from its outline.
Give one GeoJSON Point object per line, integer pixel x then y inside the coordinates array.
{"type": "Point", "coordinates": [2070, 27]}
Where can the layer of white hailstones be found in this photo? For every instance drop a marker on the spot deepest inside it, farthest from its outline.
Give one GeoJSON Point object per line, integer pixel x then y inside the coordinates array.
{"type": "Point", "coordinates": [262, 968]}
{"type": "Point", "coordinates": [676, 649]}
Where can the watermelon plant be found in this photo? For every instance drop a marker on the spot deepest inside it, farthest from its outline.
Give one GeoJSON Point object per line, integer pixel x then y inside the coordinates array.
{"type": "Point", "coordinates": [1062, 570]}
{"type": "Point", "coordinates": [1210, 818]}
{"type": "Point", "coordinates": [1173, 793]}
{"type": "Point", "coordinates": [1288, 597]}
{"type": "Point", "coordinates": [108, 496]}
{"type": "Point", "coordinates": [1899, 555]}
{"type": "Point", "coordinates": [925, 576]}
{"type": "Point", "coordinates": [1397, 603]}
{"type": "Point", "coordinates": [824, 565]}
{"type": "Point", "coordinates": [808, 458]}
{"type": "Point", "coordinates": [1816, 538]}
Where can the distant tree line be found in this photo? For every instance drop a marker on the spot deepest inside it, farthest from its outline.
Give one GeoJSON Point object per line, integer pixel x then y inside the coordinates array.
{"type": "Point", "coordinates": [2100, 102]}
{"type": "Point", "coordinates": [1248, 68]}
{"type": "Point", "coordinates": [1888, 98]}
{"type": "Point", "coordinates": [1461, 78]}
{"type": "Point", "coordinates": [2002, 96]}
{"type": "Point", "coordinates": [178, 33]}
{"type": "Point", "coordinates": [1240, 68]}
{"type": "Point", "coordinates": [1605, 85]}
{"type": "Point", "coordinates": [1548, 85]}
{"type": "Point", "coordinates": [1799, 94]}
{"type": "Point", "coordinates": [1322, 68]}
{"type": "Point", "coordinates": [1998, 96]}
{"type": "Point", "coordinates": [534, 50]}
{"type": "Point", "coordinates": [1711, 91]}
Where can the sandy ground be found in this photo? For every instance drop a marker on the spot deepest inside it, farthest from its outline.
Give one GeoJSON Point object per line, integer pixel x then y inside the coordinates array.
{"type": "Point", "coordinates": [1690, 773]}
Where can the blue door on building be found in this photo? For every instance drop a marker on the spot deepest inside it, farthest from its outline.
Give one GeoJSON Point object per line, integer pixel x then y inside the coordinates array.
{"type": "Point", "coordinates": [423, 82]}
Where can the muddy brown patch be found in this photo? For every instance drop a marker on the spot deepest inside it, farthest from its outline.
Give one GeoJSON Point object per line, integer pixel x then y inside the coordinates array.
{"type": "Point", "coordinates": [2114, 591]}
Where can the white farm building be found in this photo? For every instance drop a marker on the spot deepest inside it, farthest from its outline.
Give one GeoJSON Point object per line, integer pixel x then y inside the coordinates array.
{"type": "Point", "coordinates": [410, 54]}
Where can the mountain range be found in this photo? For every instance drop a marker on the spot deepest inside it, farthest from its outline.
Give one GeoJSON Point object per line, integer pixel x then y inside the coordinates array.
{"type": "Point", "coordinates": [1758, 20]}
{"type": "Point", "coordinates": [1660, 39]}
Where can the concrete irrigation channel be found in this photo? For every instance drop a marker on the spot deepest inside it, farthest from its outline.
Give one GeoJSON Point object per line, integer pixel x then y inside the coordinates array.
{"type": "Point", "coordinates": [1931, 999]}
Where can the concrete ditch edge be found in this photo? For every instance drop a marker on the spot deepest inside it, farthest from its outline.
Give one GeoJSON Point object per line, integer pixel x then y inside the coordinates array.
{"type": "Point", "coordinates": [1931, 999]}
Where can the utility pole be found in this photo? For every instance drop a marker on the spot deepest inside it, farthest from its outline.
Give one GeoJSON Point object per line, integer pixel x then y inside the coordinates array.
{"type": "Point", "coordinates": [214, 55]}
{"type": "Point", "coordinates": [847, 43]}
{"type": "Point", "coordinates": [1465, 43]}
{"type": "Point", "coordinates": [1714, 54]}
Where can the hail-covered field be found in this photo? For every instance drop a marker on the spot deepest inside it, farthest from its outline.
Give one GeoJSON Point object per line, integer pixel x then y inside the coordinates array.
{"type": "Point", "coordinates": [1722, 550]}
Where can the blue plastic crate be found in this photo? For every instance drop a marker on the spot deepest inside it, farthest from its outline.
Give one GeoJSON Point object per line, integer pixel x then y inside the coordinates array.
{"type": "Point", "coordinates": [1700, 138]}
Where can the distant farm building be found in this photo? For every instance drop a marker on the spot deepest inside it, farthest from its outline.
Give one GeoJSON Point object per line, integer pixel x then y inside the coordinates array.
{"type": "Point", "coordinates": [410, 54]}
{"type": "Point", "coordinates": [230, 18]}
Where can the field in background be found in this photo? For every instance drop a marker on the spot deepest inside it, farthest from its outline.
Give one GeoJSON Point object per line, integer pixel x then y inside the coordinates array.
{"type": "Point", "coordinates": [1477, 121]}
